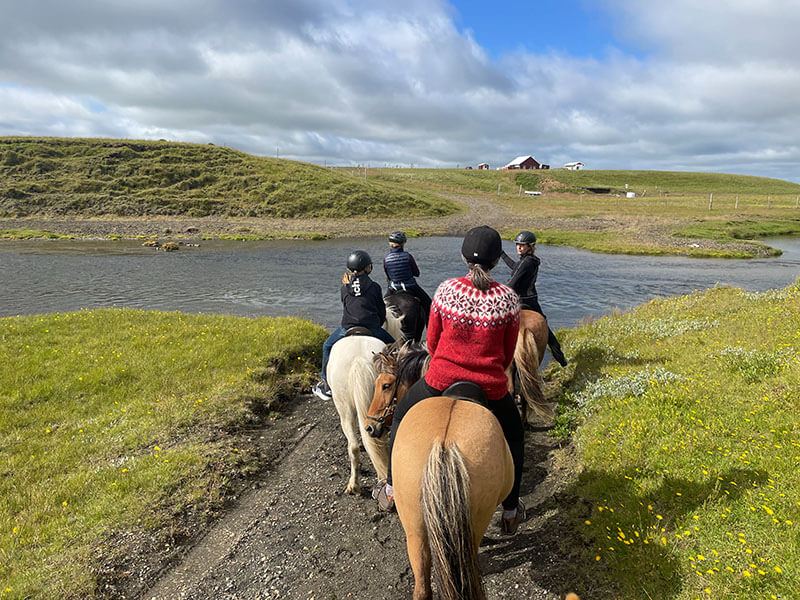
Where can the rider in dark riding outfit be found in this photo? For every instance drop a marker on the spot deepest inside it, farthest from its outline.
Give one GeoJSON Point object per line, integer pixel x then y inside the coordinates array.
{"type": "Point", "coordinates": [523, 281]}
{"type": "Point", "coordinates": [363, 306]}
{"type": "Point", "coordinates": [401, 270]}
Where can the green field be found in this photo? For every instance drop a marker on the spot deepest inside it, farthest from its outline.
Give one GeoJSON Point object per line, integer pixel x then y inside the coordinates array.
{"type": "Point", "coordinates": [686, 418]}
{"type": "Point", "coordinates": [119, 424]}
{"type": "Point", "coordinates": [90, 177]}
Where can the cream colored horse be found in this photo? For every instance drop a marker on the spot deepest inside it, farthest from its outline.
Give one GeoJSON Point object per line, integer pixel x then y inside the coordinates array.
{"type": "Point", "coordinates": [351, 377]}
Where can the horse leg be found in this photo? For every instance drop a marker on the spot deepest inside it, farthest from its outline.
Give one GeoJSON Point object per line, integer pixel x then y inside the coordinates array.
{"type": "Point", "coordinates": [349, 421]}
{"type": "Point", "coordinates": [419, 554]}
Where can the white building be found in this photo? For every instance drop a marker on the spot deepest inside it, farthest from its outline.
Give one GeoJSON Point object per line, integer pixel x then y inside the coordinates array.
{"type": "Point", "coordinates": [573, 166]}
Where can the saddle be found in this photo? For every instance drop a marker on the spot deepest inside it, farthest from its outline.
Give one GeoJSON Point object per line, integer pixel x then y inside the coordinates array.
{"type": "Point", "coordinates": [466, 390]}
{"type": "Point", "coordinates": [357, 330]}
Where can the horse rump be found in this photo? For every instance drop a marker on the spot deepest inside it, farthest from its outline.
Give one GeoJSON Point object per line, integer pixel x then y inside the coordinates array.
{"type": "Point", "coordinates": [445, 503]}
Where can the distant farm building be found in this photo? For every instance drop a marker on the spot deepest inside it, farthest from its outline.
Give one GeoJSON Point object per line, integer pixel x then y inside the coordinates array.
{"type": "Point", "coordinates": [468, 168]}
{"type": "Point", "coordinates": [483, 167]}
{"type": "Point", "coordinates": [525, 162]}
{"type": "Point", "coordinates": [573, 166]}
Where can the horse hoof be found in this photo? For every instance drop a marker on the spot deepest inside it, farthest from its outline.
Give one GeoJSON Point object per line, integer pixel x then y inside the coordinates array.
{"type": "Point", "coordinates": [353, 489]}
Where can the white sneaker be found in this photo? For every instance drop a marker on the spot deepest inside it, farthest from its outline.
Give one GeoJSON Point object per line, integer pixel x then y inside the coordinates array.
{"type": "Point", "coordinates": [321, 390]}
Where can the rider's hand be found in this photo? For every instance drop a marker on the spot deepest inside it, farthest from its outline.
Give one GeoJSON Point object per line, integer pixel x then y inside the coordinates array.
{"type": "Point", "coordinates": [346, 277]}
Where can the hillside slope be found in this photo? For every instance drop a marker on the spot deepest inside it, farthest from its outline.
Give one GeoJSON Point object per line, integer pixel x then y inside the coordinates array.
{"type": "Point", "coordinates": [91, 177]}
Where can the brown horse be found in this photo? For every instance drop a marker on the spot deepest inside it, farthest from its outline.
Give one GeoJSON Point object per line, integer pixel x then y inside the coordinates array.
{"type": "Point", "coordinates": [451, 468]}
{"type": "Point", "coordinates": [528, 355]}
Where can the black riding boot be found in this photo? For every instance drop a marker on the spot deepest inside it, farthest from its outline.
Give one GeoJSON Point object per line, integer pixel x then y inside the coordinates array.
{"type": "Point", "coordinates": [555, 348]}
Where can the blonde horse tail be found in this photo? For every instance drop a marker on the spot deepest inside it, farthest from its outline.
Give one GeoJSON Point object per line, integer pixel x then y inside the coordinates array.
{"type": "Point", "coordinates": [446, 512]}
{"type": "Point", "coordinates": [526, 358]}
{"type": "Point", "coordinates": [394, 322]}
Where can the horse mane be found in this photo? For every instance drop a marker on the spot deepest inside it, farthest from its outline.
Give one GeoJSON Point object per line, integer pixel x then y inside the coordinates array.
{"type": "Point", "coordinates": [412, 362]}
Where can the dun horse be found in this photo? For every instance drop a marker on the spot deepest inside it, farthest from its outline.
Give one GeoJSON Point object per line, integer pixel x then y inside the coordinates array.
{"type": "Point", "coordinates": [351, 376]}
{"type": "Point", "coordinates": [528, 355]}
{"type": "Point", "coordinates": [451, 468]}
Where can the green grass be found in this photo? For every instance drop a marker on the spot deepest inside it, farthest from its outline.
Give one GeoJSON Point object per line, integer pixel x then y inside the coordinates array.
{"type": "Point", "coordinates": [740, 230]}
{"type": "Point", "coordinates": [27, 234]}
{"type": "Point", "coordinates": [686, 418]}
{"type": "Point", "coordinates": [122, 421]}
{"type": "Point", "coordinates": [607, 242]}
{"type": "Point", "coordinates": [89, 177]}
{"type": "Point", "coordinates": [657, 183]}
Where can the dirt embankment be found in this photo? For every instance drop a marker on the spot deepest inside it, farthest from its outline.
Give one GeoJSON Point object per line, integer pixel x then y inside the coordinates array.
{"type": "Point", "coordinates": [477, 210]}
{"type": "Point", "coordinates": [295, 534]}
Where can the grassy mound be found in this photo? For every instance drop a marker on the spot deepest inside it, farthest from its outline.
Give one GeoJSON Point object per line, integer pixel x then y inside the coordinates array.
{"type": "Point", "coordinates": [654, 182]}
{"type": "Point", "coordinates": [119, 421]}
{"type": "Point", "coordinates": [89, 177]}
{"type": "Point", "coordinates": [689, 438]}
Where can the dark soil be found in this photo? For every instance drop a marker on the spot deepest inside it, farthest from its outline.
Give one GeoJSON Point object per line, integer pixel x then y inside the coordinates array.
{"type": "Point", "coordinates": [294, 534]}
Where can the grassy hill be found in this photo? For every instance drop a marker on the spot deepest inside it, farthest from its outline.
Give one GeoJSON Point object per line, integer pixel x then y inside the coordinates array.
{"type": "Point", "coordinates": [654, 183]}
{"type": "Point", "coordinates": [89, 177]}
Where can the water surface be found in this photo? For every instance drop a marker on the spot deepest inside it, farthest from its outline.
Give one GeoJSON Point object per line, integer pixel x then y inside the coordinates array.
{"type": "Point", "coordinates": [302, 278]}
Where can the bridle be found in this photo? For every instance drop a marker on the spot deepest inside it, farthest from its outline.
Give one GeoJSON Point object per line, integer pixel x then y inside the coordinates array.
{"type": "Point", "coordinates": [388, 410]}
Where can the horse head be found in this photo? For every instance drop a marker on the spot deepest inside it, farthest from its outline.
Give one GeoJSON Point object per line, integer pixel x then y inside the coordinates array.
{"type": "Point", "coordinates": [379, 415]}
{"type": "Point", "coordinates": [399, 366]}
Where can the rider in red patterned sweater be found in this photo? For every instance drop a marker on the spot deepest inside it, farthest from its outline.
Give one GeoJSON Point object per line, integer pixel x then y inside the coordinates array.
{"type": "Point", "coordinates": [472, 332]}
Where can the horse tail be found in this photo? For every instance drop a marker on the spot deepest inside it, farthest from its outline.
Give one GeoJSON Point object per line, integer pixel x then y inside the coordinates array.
{"type": "Point", "coordinates": [445, 504]}
{"type": "Point", "coordinates": [526, 358]}
{"type": "Point", "coordinates": [361, 384]}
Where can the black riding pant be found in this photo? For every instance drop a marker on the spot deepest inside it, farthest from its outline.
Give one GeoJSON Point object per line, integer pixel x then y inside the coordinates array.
{"type": "Point", "coordinates": [507, 415]}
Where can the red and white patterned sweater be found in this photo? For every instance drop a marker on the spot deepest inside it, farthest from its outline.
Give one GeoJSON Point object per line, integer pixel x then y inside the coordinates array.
{"type": "Point", "coordinates": [472, 335]}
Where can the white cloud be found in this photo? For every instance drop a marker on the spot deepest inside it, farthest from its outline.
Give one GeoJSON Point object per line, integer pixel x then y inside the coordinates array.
{"type": "Point", "coordinates": [378, 82]}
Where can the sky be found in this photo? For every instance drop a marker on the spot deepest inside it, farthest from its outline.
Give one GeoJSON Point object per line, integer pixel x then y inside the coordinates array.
{"type": "Point", "coordinates": [686, 85]}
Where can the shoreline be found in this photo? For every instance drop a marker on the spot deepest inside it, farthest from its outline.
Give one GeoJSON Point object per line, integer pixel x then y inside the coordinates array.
{"type": "Point", "coordinates": [635, 235]}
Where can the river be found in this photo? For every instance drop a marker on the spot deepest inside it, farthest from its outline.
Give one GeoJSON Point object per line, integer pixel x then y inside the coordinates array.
{"type": "Point", "coordinates": [302, 278]}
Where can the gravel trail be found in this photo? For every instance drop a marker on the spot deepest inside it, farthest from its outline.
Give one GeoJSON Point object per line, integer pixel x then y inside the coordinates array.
{"type": "Point", "coordinates": [296, 535]}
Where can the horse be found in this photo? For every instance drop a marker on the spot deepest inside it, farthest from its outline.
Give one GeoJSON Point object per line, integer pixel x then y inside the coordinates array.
{"type": "Point", "coordinates": [451, 468]}
{"type": "Point", "coordinates": [408, 308]}
{"type": "Point", "coordinates": [528, 355]}
{"type": "Point", "coordinates": [351, 377]}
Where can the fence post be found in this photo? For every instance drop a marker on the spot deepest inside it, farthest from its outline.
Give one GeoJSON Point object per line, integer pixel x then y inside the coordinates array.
{"type": "Point", "coordinates": [737, 203]}
{"type": "Point", "coordinates": [710, 201]}
{"type": "Point", "coordinates": [768, 199]}
{"type": "Point", "coordinates": [520, 191]}
{"type": "Point", "coordinates": [498, 189]}
{"type": "Point", "coordinates": [796, 201]}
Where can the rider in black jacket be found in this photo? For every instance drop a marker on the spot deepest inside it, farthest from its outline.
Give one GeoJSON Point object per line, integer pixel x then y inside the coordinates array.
{"type": "Point", "coordinates": [523, 281]}
{"type": "Point", "coordinates": [362, 305]}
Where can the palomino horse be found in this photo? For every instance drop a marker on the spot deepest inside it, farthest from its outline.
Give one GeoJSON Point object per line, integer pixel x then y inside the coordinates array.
{"type": "Point", "coordinates": [409, 309]}
{"type": "Point", "coordinates": [351, 376]}
{"type": "Point", "coordinates": [451, 468]}
{"type": "Point", "coordinates": [528, 355]}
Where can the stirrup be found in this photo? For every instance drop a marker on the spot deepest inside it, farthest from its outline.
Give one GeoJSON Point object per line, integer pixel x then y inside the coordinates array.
{"type": "Point", "coordinates": [509, 526]}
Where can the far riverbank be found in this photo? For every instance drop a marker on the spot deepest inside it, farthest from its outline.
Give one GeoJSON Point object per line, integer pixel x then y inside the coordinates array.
{"type": "Point", "coordinates": [619, 234]}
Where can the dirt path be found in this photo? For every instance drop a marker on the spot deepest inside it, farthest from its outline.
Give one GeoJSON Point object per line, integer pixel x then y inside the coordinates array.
{"type": "Point", "coordinates": [296, 535]}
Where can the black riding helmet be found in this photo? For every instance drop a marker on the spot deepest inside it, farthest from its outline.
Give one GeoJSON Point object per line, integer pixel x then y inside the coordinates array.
{"type": "Point", "coordinates": [358, 260]}
{"type": "Point", "coordinates": [398, 237]}
{"type": "Point", "coordinates": [525, 237]}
